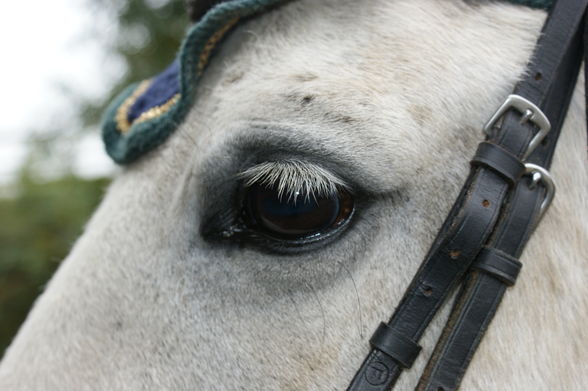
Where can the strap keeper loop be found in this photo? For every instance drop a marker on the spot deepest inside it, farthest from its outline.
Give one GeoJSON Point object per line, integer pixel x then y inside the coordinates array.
{"type": "Point", "coordinates": [499, 160]}
{"type": "Point", "coordinates": [498, 264]}
{"type": "Point", "coordinates": [392, 343]}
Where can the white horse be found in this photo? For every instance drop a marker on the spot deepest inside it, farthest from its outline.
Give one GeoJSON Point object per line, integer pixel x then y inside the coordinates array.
{"type": "Point", "coordinates": [383, 98]}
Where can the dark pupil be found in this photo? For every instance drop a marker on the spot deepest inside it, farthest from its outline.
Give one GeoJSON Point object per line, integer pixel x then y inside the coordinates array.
{"type": "Point", "coordinates": [291, 216]}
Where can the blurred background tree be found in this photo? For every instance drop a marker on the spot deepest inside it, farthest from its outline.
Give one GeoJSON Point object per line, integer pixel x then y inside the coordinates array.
{"type": "Point", "coordinates": [43, 210]}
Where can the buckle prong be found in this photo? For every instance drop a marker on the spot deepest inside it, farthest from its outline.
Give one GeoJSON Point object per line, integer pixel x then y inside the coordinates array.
{"type": "Point", "coordinates": [527, 115]}
{"type": "Point", "coordinates": [540, 175]}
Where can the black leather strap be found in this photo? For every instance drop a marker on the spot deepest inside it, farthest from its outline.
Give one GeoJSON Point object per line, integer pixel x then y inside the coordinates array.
{"type": "Point", "coordinates": [500, 160]}
{"type": "Point", "coordinates": [399, 348]}
{"type": "Point", "coordinates": [462, 236]}
{"type": "Point", "coordinates": [476, 212]}
{"type": "Point", "coordinates": [478, 301]}
{"type": "Point", "coordinates": [498, 264]}
{"type": "Point", "coordinates": [476, 305]}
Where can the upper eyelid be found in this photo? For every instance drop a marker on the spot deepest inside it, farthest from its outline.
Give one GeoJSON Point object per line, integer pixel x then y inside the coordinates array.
{"type": "Point", "coordinates": [257, 141]}
{"type": "Point", "coordinates": [294, 176]}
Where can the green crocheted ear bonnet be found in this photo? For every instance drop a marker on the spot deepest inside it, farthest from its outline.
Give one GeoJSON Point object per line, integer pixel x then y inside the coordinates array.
{"type": "Point", "coordinates": [146, 113]}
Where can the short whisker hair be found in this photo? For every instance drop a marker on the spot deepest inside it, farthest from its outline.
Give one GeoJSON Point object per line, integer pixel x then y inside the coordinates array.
{"type": "Point", "coordinates": [294, 177]}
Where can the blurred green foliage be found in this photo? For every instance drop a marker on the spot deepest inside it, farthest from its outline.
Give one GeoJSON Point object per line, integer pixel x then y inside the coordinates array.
{"type": "Point", "coordinates": [39, 218]}
{"type": "Point", "coordinates": [39, 225]}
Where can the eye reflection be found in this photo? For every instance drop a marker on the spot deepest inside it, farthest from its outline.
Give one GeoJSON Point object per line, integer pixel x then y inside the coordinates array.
{"type": "Point", "coordinates": [297, 216]}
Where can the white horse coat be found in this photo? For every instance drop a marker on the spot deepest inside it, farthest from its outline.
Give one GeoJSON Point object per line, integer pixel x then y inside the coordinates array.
{"type": "Point", "coordinates": [390, 98]}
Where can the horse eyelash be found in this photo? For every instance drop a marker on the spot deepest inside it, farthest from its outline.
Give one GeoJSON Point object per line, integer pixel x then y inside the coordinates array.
{"type": "Point", "coordinates": [293, 177]}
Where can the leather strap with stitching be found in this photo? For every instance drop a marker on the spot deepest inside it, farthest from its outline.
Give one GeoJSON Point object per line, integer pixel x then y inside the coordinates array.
{"type": "Point", "coordinates": [471, 314]}
{"type": "Point", "coordinates": [499, 264]}
{"type": "Point", "coordinates": [476, 212]}
{"type": "Point", "coordinates": [500, 160]}
{"type": "Point", "coordinates": [462, 236]}
{"type": "Point", "coordinates": [485, 286]}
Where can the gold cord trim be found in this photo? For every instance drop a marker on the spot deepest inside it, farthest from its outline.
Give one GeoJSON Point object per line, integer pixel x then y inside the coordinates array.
{"type": "Point", "coordinates": [157, 111]}
{"type": "Point", "coordinates": [122, 114]}
{"type": "Point", "coordinates": [207, 50]}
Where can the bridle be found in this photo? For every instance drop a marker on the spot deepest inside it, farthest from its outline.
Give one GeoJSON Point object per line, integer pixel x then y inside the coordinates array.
{"type": "Point", "coordinates": [506, 193]}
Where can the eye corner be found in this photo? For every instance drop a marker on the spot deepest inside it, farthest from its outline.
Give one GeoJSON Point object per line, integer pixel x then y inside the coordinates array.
{"type": "Point", "coordinates": [219, 225]}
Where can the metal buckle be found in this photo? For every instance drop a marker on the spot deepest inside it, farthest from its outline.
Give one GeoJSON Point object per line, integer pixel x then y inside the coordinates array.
{"type": "Point", "coordinates": [530, 112]}
{"type": "Point", "coordinates": [540, 174]}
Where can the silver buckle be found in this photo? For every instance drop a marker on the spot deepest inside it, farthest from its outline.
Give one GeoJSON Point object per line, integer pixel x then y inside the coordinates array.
{"type": "Point", "coordinates": [540, 174]}
{"type": "Point", "coordinates": [530, 112]}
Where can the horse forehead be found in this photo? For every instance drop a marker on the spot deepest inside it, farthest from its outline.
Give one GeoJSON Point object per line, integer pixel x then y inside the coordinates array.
{"type": "Point", "coordinates": [373, 40]}
{"type": "Point", "coordinates": [367, 65]}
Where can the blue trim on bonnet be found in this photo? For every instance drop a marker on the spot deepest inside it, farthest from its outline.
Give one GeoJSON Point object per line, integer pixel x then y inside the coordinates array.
{"type": "Point", "coordinates": [163, 88]}
{"type": "Point", "coordinates": [134, 125]}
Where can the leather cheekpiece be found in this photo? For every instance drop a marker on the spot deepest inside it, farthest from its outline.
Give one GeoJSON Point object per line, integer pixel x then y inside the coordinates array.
{"type": "Point", "coordinates": [392, 343]}
{"type": "Point", "coordinates": [495, 209]}
{"type": "Point", "coordinates": [498, 264]}
{"type": "Point", "coordinates": [500, 160]}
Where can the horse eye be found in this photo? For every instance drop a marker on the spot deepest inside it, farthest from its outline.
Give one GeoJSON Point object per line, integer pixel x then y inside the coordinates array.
{"type": "Point", "coordinates": [295, 217]}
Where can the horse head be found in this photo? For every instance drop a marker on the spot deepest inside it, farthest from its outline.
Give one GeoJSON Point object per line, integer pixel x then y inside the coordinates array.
{"type": "Point", "coordinates": [281, 183]}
